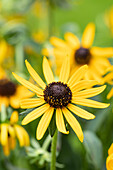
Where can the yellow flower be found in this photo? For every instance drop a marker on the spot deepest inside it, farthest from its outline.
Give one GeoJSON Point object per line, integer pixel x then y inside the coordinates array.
{"type": "Point", "coordinates": [81, 53]}
{"type": "Point", "coordinates": [10, 93]}
{"type": "Point", "coordinates": [61, 96]}
{"type": "Point", "coordinates": [109, 161]}
{"type": "Point", "coordinates": [10, 131]}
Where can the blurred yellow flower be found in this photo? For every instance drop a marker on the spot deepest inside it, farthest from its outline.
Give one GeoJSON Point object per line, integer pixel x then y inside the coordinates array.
{"type": "Point", "coordinates": [10, 93]}
{"type": "Point", "coordinates": [60, 98]}
{"type": "Point", "coordinates": [10, 131]}
{"type": "Point", "coordinates": [109, 161]}
{"type": "Point", "coordinates": [81, 53]}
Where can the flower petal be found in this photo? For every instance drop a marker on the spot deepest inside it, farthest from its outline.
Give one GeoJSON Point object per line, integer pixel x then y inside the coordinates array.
{"type": "Point", "coordinates": [90, 92]}
{"type": "Point", "coordinates": [47, 71]}
{"type": "Point", "coordinates": [88, 35]}
{"type": "Point", "coordinates": [6, 149]}
{"type": "Point", "coordinates": [35, 114]}
{"type": "Point", "coordinates": [25, 136]}
{"type": "Point", "coordinates": [57, 42]}
{"type": "Point", "coordinates": [89, 103]}
{"type": "Point", "coordinates": [31, 103]}
{"type": "Point", "coordinates": [44, 123]}
{"type": "Point", "coordinates": [14, 117]}
{"type": "Point", "coordinates": [80, 112]}
{"type": "Point", "coordinates": [19, 134]}
{"type": "Point", "coordinates": [60, 122]}
{"type": "Point", "coordinates": [34, 75]}
{"type": "Point", "coordinates": [72, 40]}
{"type": "Point", "coordinates": [29, 85]}
{"type": "Point", "coordinates": [110, 94]}
{"type": "Point", "coordinates": [101, 52]}
{"type": "Point", "coordinates": [65, 70]}
{"type": "Point", "coordinates": [4, 134]}
{"type": "Point", "coordinates": [83, 84]}
{"type": "Point", "coordinates": [78, 75]}
{"type": "Point", "coordinates": [73, 123]}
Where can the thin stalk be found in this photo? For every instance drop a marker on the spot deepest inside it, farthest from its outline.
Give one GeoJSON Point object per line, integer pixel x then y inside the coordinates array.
{"type": "Point", "coordinates": [53, 151]}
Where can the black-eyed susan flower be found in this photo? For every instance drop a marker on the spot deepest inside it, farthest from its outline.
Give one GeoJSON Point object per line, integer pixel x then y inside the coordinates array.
{"type": "Point", "coordinates": [59, 97]}
{"type": "Point", "coordinates": [10, 93]}
{"type": "Point", "coordinates": [10, 131]}
{"type": "Point", "coordinates": [81, 53]}
{"type": "Point", "coordinates": [109, 161]}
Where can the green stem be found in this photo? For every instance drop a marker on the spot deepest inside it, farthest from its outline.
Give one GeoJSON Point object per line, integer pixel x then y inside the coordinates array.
{"type": "Point", "coordinates": [53, 151]}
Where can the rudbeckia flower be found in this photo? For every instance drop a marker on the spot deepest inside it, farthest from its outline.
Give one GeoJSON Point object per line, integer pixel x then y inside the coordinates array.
{"type": "Point", "coordinates": [10, 93]}
{"type": "Point", "coordinates": [10, 131]}
{"type": "Point", "coordinates": [81, 53]}
{"type": "Point", "coordinates": [60, 98]}
{"type": "Point", "coordinates": [109, 161]}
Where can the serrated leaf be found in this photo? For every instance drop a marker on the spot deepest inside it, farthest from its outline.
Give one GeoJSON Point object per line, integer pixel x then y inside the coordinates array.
{"type": "Point", "coordinates": [94, 149]}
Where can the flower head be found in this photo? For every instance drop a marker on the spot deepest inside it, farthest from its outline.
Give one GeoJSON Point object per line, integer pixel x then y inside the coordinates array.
{"type": "Point", "coordinates": [60, 98]}
{"type": "Point", "coordinates": [109, 161]}
{"type": "Point", "coordinates": [81, 53]}
{"type": "Point", "coordinates": [10, 93]}
{"type": "Point", "coordinates": [10, 131]}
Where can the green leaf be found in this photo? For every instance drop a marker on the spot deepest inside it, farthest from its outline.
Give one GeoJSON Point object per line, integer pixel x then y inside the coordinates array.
{"type": "Point", "coordinates": [27, 111]}
{"type": "Point", "coordinates": [52, 125]}
{"type": "Point", "coordinates": [94, 149]}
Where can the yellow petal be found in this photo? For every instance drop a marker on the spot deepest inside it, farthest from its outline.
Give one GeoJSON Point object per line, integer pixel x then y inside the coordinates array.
{"type": "Point", "coordinates": [12, 143]}
{"type": "Point", "coordinates": [72, 40]}
{"type": "Point", "coordinates": [11, 131]}
{"type": "Point", "coordinates": [108, 77]}
{"type": "Point", "coordinates": [29, 85]}
{"type": "Point", "coordinates": [88, 36]}
{"type": "Point", "coordinates": [34, 75]}
{"type": "Point", "coordinates": [60, 122]}
{"type": "Point", "coordinates": [25, 136]}
{"type": "Point", "coordinates": [47, 71]}
{"type": "Point", "coordinates": [80, 112]}
{"type": "Point", "coordinates": [35, 114]}
{"type": "Point", "coordinates": [110, 151]}
{"type": "Point", "coordinates": [101, 52]}
{"type": "Point", "coordinates": [89, 103]}
{"type": "Point", "coordinates": [78, 75]}
{"type": "Point", "coordinates": [110, 94]}
{"type": "Point", "coordinates": [31, 103]}
{"type": "Point", "coordinates": [6, 149]}
{"type": "Point", "coordinates": [73, 123]}
{"type": "Point", "coordinates": [14, 117]}
{"type": "Point", "coordinates": [44, 123]}
{"type": "Point", "coordinates": [4, 134]}
{"type": "Point", "coordinates": [19, 134]}
{"type": "Point", "coordinates": [57, 42]}
{"type": "Point", "coordinates": [65, 70]}
{"type": "Point", "coordinates": [83, 84]}
{"type": "Point", "coordinates": [90, 92]}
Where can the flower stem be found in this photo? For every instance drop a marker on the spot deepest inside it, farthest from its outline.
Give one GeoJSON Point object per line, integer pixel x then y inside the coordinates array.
{"type": "Point", "coordinates": [53, 150]}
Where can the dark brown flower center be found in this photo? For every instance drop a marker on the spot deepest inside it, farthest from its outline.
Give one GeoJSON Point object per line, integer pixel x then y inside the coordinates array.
{"type": "Point", "coordinates": [82, 56]}
{"type": "Point", "coordinates": [57, 94]}
{"type": "Point", "coordinates": [7, 88]}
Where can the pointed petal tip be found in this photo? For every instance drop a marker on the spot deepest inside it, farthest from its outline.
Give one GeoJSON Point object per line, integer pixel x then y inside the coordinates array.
{"type": "Point", "coordinates": [81, 138]}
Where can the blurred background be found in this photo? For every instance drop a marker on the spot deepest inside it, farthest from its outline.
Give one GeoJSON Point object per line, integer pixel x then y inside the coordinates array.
{"type": "Point", "coordinates": [25, 29]}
